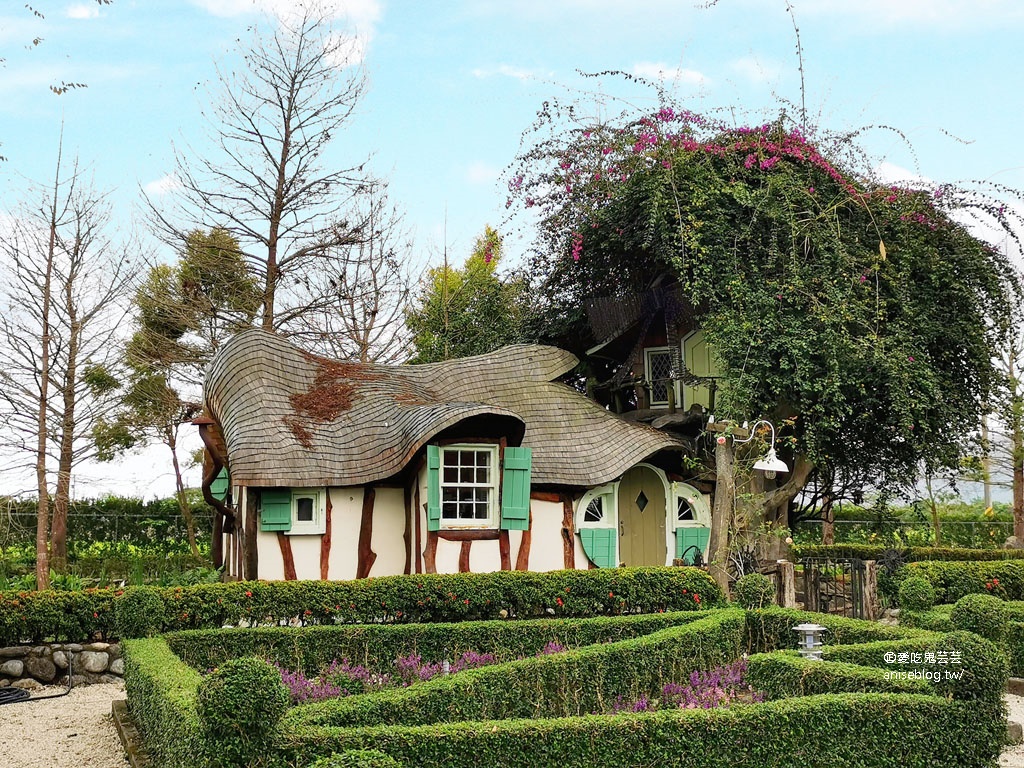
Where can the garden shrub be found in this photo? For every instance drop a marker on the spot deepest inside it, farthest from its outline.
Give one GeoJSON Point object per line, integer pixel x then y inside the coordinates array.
{"type": "Point", "coordinates": [162, 693]}
{"type": "Point", "coordinates": [309, 649]}
{"type": "Point", "coordinates": [357, 758]}
{"type": "Point", "coordinates": [239, 705]}
{"type": "Point", "coordinates": [755, 590]}
{"type": "Point", "coordinates": [782, 674]}
{"type": "Point", "coordinates": [71, 616]}
{"type": "Point", "coordinates": [934, 620]}
{"type": "Point", "coordinates": [139, 612]}
{"type": "Point", "coordinates": [1015, 648]}
{"type": "Point", "coordinates": [569, 683]}
{"type": "Point", "coordinates": [912, 554]}
{"type": "Point", "coordinates": [916, 594]}
{"type": "Point", "coordinates": [983, 665]}
{"type": "Point", "coordinates": [772, 628]}
{"type": "Point", "coordinates": [984, 615]}
{"type": "Point", "coordinates": [953, 580]}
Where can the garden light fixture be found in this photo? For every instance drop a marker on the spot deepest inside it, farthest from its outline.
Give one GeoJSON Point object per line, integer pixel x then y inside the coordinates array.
{"type": "Point", "coordinates": [810, 640]}
{"type": "Point", "coordinates": [770, 464]}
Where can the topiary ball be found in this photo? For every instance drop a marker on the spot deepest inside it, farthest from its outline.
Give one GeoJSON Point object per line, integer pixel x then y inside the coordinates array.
{"type": "Point", "coordinates": [916, 594]}
{"type": "Point", "coordinates": [139, 612]}
{"type": "Point", "coordinates": [357, 758]}
{"type": "Point", "coordinates": [983, 615]}
{"type": "Point", "coordinates": [753, 591]}
{"type": "Point", "coordinates": [239, 705]}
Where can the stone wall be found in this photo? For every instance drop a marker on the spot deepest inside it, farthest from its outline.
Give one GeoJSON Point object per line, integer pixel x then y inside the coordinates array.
{"type": "Point", "coordinates": [31, 666]}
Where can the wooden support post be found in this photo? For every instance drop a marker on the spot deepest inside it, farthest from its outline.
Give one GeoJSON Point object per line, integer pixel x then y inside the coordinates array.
{"type": "Point", "coordinates": [325, 542]}
{"type": "Point", "coordinates": [366, 555]}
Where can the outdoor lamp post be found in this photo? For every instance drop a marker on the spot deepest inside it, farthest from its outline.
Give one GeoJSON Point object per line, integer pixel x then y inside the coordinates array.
{"type": "Point", "coordinates": [770, 464]}
{"type": "Point", "coordinates": [810, 640]}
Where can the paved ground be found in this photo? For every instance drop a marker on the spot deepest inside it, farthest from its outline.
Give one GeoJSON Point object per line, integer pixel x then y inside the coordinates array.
{"type": "Point", "coordinates": [74, 731]}
{"type": "Point", "coordinates": [1013, 757]}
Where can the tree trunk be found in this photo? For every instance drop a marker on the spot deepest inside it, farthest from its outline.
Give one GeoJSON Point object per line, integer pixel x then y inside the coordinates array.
{"type": "Point", "coordinates": [721, 512]}
{"type": "Point", "coordinates": [1016, 429]}
{"type": "Point", "coordinates": [62, 498]}
{"type": "Point", "coordinates": [986, 463]}
{"type": "Point", "coordinates": [828, 528]}
{"type": "Point", "coordinates": [183, 505]}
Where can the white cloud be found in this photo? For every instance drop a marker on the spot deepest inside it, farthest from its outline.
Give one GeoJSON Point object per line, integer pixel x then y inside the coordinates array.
{"type": "Point", "coordinates": [480, 173]}
{"type": "Point", "coordinates": [163, 185]}
{"type": "Point", "coordinates": [360, 16]}
{"type": "Point", "coordinates": [756, 70]}
{"type": "Point", "coordinates": [506, 70]}
{"type": "Point", "coordinates": [890, 173]}
{"type": "Point", "coordinates": [83, 11]}
{"type": "Point", "coordinates": [659, 71]}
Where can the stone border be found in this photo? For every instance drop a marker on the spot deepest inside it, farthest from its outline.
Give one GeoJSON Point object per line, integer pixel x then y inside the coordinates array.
{"type": "Point", "coordinates": [32, 666]}
{"type": "Point", "coordinates": [131, 739]}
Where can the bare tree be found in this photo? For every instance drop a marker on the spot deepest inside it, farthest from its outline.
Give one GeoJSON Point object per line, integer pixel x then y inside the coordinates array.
{"type": "Point", "coordinates": [63, 302]}
{"type": "Point", "coordinates": [368, 293]}
{"type": "Point", "coordinates": [266, 183]}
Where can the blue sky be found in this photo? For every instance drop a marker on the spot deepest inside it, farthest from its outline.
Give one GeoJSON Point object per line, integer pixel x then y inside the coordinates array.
{"type": "Point", "coordinates": [452, 85]}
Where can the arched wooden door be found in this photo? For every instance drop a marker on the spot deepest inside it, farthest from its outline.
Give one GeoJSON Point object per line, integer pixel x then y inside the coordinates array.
{"type": "Point", "coordinates": [642, 518]}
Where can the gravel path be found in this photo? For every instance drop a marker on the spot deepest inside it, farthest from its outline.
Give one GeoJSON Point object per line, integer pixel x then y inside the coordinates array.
{"type": "Point", "coordinates": [75, 731]}
{"type": "Point", "coordinates": [1013, 757]}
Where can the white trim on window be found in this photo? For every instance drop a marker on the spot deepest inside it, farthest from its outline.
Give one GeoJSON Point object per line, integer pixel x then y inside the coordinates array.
{"type": "Point", "coordinates": [697, 503]}
{"type": "Point", "coordinates": [469, 479]}
{"type": "Point", "coordinates": [309, 512]}
{"type": "Point", "coordinates": [604, 499]}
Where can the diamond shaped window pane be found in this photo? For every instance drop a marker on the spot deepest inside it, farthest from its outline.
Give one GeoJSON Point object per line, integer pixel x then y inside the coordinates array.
{"type": "Point", "coordinates": [641, 501]}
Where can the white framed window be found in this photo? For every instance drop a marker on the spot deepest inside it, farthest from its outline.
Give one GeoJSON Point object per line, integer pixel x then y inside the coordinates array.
{"type": "Point", "coordinates": [658, 374]}
{"type": "Point", "coordinates": [309, 511]}
{"type": "Point", "coordinates": [469, 486]}
{"type": "Point", "coordinates": [692, 508]}
{"type": "Point", "coordinates": [596, 508]}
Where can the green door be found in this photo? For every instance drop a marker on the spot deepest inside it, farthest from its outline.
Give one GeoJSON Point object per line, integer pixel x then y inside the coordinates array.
{"type": "Point", "coordinates": [642, 518]}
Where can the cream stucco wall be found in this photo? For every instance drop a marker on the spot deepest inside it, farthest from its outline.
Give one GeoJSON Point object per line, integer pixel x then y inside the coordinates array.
{"type": "Point", "coordinates": [388, 539]}
{"type": "Point", "coordinates": [546, 550]}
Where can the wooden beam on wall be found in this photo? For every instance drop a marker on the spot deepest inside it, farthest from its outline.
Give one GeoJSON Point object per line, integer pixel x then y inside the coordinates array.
{"type": "Point", "coordinates": [430, 553]}
{"type": "Point", "coordinates": [366, 555]}
{"type": "Point", "coordinates": [464, 557]}
{"type": "Point", "coordinates": [325, 542]}
{"type": "Point", "coordinates": [523, 557]}
{"type": "Point", "coordinates": [568, 534]}
{"type": "Point", "coordinates": [286, 554]}
{"type": "Point", "coordinates": [504, 549]}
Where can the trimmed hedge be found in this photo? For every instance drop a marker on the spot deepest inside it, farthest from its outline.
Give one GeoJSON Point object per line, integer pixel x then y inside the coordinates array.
{"type": "Point", "coordinates": [771, 629]}
{"type": "Point", "coordinates": [953, 580]}
{"type": "Point", "coordinates": [913, 554]}
{"type": "Point", "coordinates": [916, 594]}
{"type": "Point", "coordinates": [162, 698]}
{"type": "Point", "coordinates": [71, 616]}
{"type": "Point", "coordinates": [587, 680]}
{"type": "Point", "coordinates": [878, 730]}
{"type": "Point", "coordinates": [312, 648]}
{"type": "Point", "coordinates": [781, 675]}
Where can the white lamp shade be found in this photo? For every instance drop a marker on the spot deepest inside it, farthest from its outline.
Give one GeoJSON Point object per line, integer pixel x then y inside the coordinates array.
{"type": "Point", "coordinates": [771, 463]}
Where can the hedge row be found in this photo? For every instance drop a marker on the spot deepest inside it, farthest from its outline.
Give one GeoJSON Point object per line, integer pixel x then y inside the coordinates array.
{"type": "Point", "coordinates": [162, 701]}
{"type": "Point", "coordinates": [370, 644]}
{"type": "Point", "coordinates": [581, 681]}
{"type": "Point", "coordinates": [957, 724]}
{"type": "Point", "coordinates": [911, 554]}
{"type": "Point", "coordinates": [953, 580]}
{"type": "Point", "coordinates": [784, 674]}
{"type": "Point", "coordinates": [38, 616]}
{"type": "Point", "coordinates": [878, 730]}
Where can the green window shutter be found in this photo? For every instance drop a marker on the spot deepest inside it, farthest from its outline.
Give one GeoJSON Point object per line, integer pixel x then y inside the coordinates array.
{"type": "Point", "coordinates": [692, 536]}
{"type": "Point", "coordinates": [515, 489]}
{"type": "Point", "coordinates": [599, 544]}
{"type": "Point", "coordinates": [221, 483]}
{"type": "Point", "coordinates": [433, 488]}
{"type": "Point", "coordinates": [276, 509]}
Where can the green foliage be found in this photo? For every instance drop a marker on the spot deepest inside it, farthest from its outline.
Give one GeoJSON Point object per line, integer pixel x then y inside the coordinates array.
{"type": "Point", "coordinates": [1015, 647]}
{"type": "Point", "coordinates": [952, 580]}
{"type": "Point", "coordinates": [984, 615]}
{"type": "Point", "coordinates": [916, 594]}
{"type": "Point", "coordinates": [239, 706]}
{"type": "Point", "coordinates": [575, 682]}
{"type": "Point", "coordinates": [912, 554]}
{"type": "Point", "coordinates": [984, 666]}
{"type": "Point", "coordinates": [780, 675]}
{"type": "Point", "coordinates": [771, 629]}
{"type": "Point", "coordinates": [139, 612]}
{"type": "Point", "coordinates": [310, 649]}
{"type": "Point", "coordinates": [162, 699]}
{"type": "Point", "coordinates": [946, 728]}
{"type": "Point", "coordinates": [866, 311]}
{"type": "Point", "coordinates": [468, 311]}
{"type": "Point", "coordinates": [755, 590]}
{"type": "Point", "coordinates": [389, 599]}
{"type": "Point", "coordinates": [356, 758]}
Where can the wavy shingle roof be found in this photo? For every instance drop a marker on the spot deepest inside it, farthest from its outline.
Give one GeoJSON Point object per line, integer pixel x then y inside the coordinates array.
{"type": "Point", "coordinates": [293, 419]}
